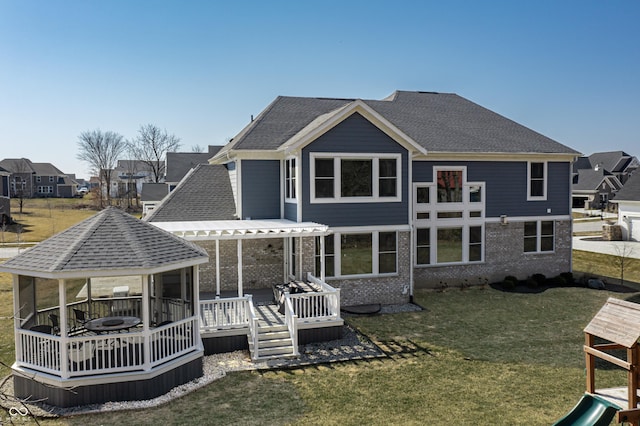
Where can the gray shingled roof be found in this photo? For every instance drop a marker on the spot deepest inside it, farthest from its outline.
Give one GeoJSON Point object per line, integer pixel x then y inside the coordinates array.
{"type": "Point", "coordinates": [438, 122]}
{"type": "Point", "coordinates": [179, 163]}
{"type": "Point", "coordinates": [204, 194]}
{"type": "Point", "coordinates": [153, 191]}
{"type": "Point", "coordinates": [631, 189]}
{"type": "Point", "coordinates": [613, 161]}
{"type": "Point", "coordinates": [111, 242]}
{"type": "Point", "coordinates": [589, 179]}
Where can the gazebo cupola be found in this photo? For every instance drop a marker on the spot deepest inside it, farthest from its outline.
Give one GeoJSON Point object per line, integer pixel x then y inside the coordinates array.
{"type": "Point", "coordinates": [107, 310]}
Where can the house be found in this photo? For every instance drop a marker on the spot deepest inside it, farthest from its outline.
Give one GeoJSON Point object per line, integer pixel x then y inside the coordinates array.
{"type": "Point", "coordinates": [128, 177]}
{"type": "Point", "coordinates": [418, 189]}
{"type": "Point", "coordinates": [628, 201]}
{"type": "Point", "coordinates": [29, 179]}
{"type": "Point", "coordinates": [5, 201]}
{"type": "Point", "coordinates": [179, 163]}
{"type": "Point", "coordinates": [599, 176]}
{"type": "Point", "coordinates": [151, 195]}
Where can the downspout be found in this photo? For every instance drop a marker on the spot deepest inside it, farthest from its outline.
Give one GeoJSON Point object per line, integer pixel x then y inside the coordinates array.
{"type": "Point", "coordinates": [411, 224]}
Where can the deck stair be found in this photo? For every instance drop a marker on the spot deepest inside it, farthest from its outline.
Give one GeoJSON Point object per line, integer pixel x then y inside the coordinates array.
{"type": "Point", "coordinates": [274, 338]}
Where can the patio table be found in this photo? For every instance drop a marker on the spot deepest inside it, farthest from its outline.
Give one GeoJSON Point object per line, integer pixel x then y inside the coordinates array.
{"type": "Point", "coordinates": [109, 324]}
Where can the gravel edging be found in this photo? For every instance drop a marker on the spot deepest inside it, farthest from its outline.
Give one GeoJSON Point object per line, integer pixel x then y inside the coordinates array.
{"type": "Point", "coordinates": [352, 346]}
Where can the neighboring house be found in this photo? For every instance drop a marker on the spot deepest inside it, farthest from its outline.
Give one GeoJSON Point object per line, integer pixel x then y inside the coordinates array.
{"type": "Point", "coordinates": [151, 195]}
{"type": "Point", "coordinates": [29, 179]}
{"type": "Point", "coordinates": [179, 163]}
{"type": "Point", "coordinates": [129, 175]}
{"type": "Point", "coordinates": [628, 201]}
{"type": "Point", "coordinates": [598, 177]}
{"type": "Point", "coordinates": [5, 200]}
{"type": "Point", "coordinates": [415, 190]}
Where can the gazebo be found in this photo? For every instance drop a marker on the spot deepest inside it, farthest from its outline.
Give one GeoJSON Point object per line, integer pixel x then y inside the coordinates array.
{"type": "Point", "coordinates": [107, 310]}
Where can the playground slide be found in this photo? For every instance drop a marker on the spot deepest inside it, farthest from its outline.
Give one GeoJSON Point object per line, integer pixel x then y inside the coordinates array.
{"type": "Point", "coordinates": [589, 411]}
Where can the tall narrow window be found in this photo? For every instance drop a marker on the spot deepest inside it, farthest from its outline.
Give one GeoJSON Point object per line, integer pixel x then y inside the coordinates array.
{"type": "Point", "coordinates": [329, 256]}
{"type": "Point", "coordinates": [324, 177]}
{"type": "Point", "coordinates": [388, 177]}
{"type": "Point", "coordinates": [537, 180]}
{"type": "Point", "coordinates": [387, 252]}
{"type": "Point", "coordinates": [290, 179]}
{"type": "Point", "coordinates": [475, 243]}
{"type": "Point", "coordinates": [423, 246]}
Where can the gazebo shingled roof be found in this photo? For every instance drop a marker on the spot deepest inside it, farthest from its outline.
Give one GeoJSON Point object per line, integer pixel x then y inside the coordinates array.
{"type": "Point", "coordinates": [111, 242]}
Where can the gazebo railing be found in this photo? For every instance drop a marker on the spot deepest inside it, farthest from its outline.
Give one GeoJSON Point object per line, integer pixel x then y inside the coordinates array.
{"type": "Point", "coordinates": [106, 353]}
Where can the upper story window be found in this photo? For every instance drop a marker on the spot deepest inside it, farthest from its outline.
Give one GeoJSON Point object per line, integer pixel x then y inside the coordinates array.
{"type": "Point", "coordinates": [449, 186]}
{"type": "Point", "coordinates": [355, 178]}
{"type": "Point", "coordinates": [536, 181]}
{"type": "Point", "coordinates": [290, 179]}
{"type": "Point", "coordinates": [51, 179]}
{"type": "Point", "coordinates": [38, 179]}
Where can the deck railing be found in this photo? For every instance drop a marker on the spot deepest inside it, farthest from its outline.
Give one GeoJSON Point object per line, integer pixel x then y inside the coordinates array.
{"type": "Point", "coordinates": [291, 320]}
{"type": "Point", "coordinates": [253, 327]}
{"type": "Point", "coordinates": [322, 305]}
{"type": "Point", "coordinates": [220, 314]}
{"type": "Point", "coordinates": [105, 353]}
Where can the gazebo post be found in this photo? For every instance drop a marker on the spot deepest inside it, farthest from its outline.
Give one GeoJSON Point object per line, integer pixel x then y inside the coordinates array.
{"type": "Point", "coordinates": [16, 312]}
{"type": "Point", "coordinates": [240, 290]}
{"type": "Point", "coordinates": [217, 268]}
{"type": "Point", "coordinates": [146, 319]}
{"type": "Point", "coordinates": [64, 333]}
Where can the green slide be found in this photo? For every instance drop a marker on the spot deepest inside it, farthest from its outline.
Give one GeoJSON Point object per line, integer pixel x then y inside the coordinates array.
{"type": "Point", "coordinates": [590, 411]}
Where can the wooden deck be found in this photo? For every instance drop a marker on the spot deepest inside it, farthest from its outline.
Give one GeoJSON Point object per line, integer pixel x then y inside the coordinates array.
{"type": "Point", "coordinates": [617, 396]}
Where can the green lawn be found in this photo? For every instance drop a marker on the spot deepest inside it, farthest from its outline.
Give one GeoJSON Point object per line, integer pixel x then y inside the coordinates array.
{"type": "Point", "coordinates": [478, 356]}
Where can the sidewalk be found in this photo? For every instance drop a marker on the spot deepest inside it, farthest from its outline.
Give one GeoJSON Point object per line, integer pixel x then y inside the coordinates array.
{"type": "Point", "coordinates": [615, 248]}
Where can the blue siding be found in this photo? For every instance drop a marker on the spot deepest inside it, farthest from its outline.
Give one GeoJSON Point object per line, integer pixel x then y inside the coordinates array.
{"type": "Point", "coordinates": [260, 189]}
{"type": "Point", "coordinates": [506, 186]}
{"type": "Point", "coordinates": [357, 135]}
{"type": "Point", "coordinates": [291, 211]}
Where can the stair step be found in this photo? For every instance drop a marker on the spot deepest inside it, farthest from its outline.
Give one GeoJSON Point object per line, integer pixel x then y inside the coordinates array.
{"type": "Point", "coordinates": [276, 343]}
{"type": "Point", "coordinates": [275, 351]}
{"type": "Point", "coordinates": [274, 335]}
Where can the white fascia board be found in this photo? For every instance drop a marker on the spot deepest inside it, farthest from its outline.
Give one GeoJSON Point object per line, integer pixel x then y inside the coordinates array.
{"type": "Point", "coordinates": [326, 122]}
{"type": "Point", "coordinates": [495, 156]}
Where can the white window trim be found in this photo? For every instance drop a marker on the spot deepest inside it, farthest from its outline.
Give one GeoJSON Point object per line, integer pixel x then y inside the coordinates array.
{"type": "Point", "coordinates": [545, 181]}
{"type": "Point", "coordinates": [539, 237]}
{"type": "Point", "coordinates": [337, 157]}
{"type": "Point", "coordinates": [375, 254]}
{"type": "Point", "coordinates": [292, 183]}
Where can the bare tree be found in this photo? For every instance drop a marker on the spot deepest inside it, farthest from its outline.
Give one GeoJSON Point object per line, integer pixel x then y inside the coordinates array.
{"type": "Point", "coordinates": [624, 254]}
{"type": "Point", "coordinates": [151, 146]}
{"type": "Point", "coordinates": [101, 151]}
{"type": "Point", "coordinates": [197, 148]}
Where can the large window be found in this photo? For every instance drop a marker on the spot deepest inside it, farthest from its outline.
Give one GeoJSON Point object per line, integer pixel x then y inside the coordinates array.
{"type": "Point", "coordinates": [539, 236]}
{"type": "Point", "coordinates": [45, 189]}
{"type": "Point", "coordinates": [363, 253]}
{"type": "Point", "coordinates": [537, 181]}
{"type": "Point", "coordinates": [355, 178]}
{"type": "Point", "coordinates": [449, 218]}
{"type": "Point", "coordinates": [290, 175]}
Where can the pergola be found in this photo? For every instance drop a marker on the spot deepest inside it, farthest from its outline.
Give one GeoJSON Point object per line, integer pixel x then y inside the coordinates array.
{"type": "Point", "coordinates": [146, 331]}
{"type": "Point", "coordinates": [239, 230]}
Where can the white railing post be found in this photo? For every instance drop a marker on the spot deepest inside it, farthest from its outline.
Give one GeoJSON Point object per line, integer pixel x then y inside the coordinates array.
{"type": "Point", "coordinates": [291, 319]}
{"type": "Point", "coordinates": [253, 326]}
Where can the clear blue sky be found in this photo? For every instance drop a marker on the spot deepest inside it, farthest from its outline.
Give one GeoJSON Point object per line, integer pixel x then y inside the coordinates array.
{"type": "Point", "coordinates": [567, 69]}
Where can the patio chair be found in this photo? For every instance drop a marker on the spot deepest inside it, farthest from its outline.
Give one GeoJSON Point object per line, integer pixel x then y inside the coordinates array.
{"type": "Point", "coordinates": [81, 318]}
{"type": "Point", "coordinates": [54, 323]}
